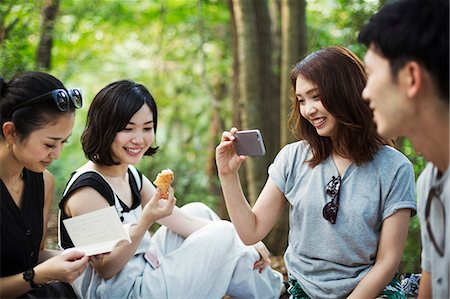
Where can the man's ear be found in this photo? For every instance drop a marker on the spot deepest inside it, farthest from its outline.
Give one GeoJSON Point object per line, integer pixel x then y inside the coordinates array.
{"type": "Point", "coordinates": [412, 76]}
{"type": "Point", "coordinates": [9, 131]}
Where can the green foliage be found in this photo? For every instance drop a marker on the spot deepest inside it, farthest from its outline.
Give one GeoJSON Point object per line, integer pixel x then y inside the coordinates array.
{"type": "Point", "coordinates": [411, 255]}
{"type": "Point", "coordinates": [19, 36]}
{"type": "Point", "coordinates": [339, 23]}
{"type": "Point", "coordinates": [180, 50]}
{"type": "Point", "coordinates": [157, 43]}
{"type": "Point", "coordinates": [417, 160]}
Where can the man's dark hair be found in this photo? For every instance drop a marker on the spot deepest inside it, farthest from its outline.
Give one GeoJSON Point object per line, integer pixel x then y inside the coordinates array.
{"type": "Point", "coordinates": [415, 30]}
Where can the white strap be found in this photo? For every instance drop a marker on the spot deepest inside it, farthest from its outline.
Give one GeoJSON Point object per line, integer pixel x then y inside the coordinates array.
{"type": "Point", "coordinates": [59, 233]}
{"type": "Point", "coordinates": [137, 177]}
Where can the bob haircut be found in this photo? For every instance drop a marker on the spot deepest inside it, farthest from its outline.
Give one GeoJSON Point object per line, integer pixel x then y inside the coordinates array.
{"type": "Point", "coordinates": [109, 113]}
{"type": "Point", "coordinates": [340, 78]}
{"type": "Point", "coordinates": [27, 119]}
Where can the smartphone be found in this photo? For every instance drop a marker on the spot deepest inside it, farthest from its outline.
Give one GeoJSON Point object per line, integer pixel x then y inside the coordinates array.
{"type": "Point", "coordinates": [249, 143]}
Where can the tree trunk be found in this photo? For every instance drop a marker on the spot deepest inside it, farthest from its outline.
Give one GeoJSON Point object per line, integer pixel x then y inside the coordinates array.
{"type": "Point", "coordinates": [269, 104]}
{"type": "Point", "coordinates": [236, 94]}
{"type": "Point", "coordinates": [250, 94]}
{"type": "Point", "coordinates": [257, 74]}
{"type": "Point", "coordinates": [216, 93]}
{"type": "Point", "coordinates": [5, 29]}
{"type": "Point", "coordinates": [293, 45]}
{"type": "Point", "coordinates": [236, 121]}
{"type": "Point", "coordinates": [293, 48]}
{"type": "Point", "coordinates": [44, 51]}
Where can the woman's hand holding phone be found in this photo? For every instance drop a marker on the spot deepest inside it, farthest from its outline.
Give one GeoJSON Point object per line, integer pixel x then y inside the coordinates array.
{"type": "Point", "coordinates": [249, 143]}
{"type": "Point", "coordinates": [228, 162]}
{"type": "Point", "coordinates": [235, 146]}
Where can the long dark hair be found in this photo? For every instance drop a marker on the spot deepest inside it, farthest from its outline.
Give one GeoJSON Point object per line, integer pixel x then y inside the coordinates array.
{"type": "Point", "coordinates": [109, 113]}
{"type": "Point", "coordinates": [340, 78]}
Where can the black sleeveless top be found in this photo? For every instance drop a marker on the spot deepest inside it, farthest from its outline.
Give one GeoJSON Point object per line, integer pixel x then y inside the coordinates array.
{"type": "Point", "coordinates": [96, 181]}
{"type": "Point", "coordinates": [21, 228]}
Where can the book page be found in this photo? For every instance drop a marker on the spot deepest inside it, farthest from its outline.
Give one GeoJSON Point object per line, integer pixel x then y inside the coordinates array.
{"type": "Point", "coordinates": [97, 232]}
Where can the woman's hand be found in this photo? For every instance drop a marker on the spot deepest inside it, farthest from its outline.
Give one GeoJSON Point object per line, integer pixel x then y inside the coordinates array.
{"type": "Point", "coordinates": [65, 267]}
{"type": "Point", "coordinates": [227, 160]}
{"type": "Point", "coordinates": [157, 207]}
{"type": "Point", "coordinates": [264, 253]}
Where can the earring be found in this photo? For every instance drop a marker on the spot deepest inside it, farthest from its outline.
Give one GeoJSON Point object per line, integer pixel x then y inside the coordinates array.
{"type": "Point", "coordinates": [8, 145]}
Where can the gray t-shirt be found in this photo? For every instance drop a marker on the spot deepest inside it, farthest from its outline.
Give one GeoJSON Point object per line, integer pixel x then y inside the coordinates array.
{"type": "Point", "coordinates": [329, 260]}
{"type": "Point", "coordinates": [431, 260]}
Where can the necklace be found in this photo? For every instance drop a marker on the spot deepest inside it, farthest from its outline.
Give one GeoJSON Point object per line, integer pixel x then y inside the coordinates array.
{"type": "Point", "coordinates": [16, 190]}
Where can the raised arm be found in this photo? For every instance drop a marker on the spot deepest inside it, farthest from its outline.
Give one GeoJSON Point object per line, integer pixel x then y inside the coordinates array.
{"type": "Point", "coordinates": [179, 222]}
{"type": "Point", "coordinates": [254, 224]}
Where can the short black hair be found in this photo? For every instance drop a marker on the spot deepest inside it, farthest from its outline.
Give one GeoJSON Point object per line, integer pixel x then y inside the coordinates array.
{"type": "Point", "coordinates": [109, 113]}
{"type": "Point", "coordinates": [416, 30]}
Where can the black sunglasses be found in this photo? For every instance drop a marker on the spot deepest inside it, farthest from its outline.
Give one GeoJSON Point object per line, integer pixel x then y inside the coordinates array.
{"type": "Point", "coordinates": [61, 97]}
{"type": "Point", "coordinates": [330, 210]}
{"type": "Point", "coordinates": [433, 197]}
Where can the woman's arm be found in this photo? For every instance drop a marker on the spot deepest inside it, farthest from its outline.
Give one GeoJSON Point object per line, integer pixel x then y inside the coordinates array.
{"type": "Point", "coordinates": [179, 222]}
{"type": "Point", "coordinates": [13, 286]}
{"type": "Point", "coordinates": [425, 290]}
{"type": "Point", "coordinates": [64, 268]}
{"type": "Point", "coordinates": [49, 186]}
{"type": "Point", "coordinates": [394, 231]}
{"type": "Point", "coordinates": [182, 223]}
{"type": "Point", "coordinates": [52, 265]}
{"type": "Point", "coordinates": [86, 200]}
{"type": "Point", "coordinates": [251, 225]}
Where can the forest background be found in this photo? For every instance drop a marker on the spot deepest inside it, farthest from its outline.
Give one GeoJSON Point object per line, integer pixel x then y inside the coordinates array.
{"type": "Point", "coordinates": [210, 65]}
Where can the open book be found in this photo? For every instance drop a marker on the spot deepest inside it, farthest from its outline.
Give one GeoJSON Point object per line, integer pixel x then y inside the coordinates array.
{"type": "Point", "coordinates": [97, 232]}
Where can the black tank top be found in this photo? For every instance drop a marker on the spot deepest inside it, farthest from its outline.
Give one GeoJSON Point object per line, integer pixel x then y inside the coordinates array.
{"type": "Point", "coordinates": [21, 228]}
{"type": "Point", "coordinates": [96, 181]}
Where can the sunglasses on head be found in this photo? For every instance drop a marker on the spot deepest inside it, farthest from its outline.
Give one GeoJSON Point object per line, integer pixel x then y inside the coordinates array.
{"type": "Point", "coordinates": [330, 210]}
{"type": "Point", "coordinates": [61, 97]}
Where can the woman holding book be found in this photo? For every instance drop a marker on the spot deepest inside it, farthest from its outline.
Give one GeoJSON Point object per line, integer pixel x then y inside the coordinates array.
{"type": "Point", "coordinates": [350, 195]}
{"type": "Point", "coordinates": [37, 117]}
{"type": "Point", "coordinates": [193, 255]}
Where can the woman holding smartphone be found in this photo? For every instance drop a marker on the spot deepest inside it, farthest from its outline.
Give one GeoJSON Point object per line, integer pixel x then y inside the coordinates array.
{"type": "Point", "coordinates": [350, 195]}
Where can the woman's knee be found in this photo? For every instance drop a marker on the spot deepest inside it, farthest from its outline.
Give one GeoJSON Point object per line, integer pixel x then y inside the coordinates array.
{"type": "Point", "coordinates": [199, 209]}
{"type": "Point", "coordinates": [223, 231]}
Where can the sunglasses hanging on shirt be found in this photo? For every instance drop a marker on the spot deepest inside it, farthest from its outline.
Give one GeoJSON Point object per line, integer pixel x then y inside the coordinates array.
{"type": "Point", "coordinates": [330, 210]}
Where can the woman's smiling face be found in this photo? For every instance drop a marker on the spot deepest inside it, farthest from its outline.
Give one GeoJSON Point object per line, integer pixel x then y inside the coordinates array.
{"type": "Point", "coordinates": [312, 109]}
{"type": "Point", "coordinates": [130, 144]}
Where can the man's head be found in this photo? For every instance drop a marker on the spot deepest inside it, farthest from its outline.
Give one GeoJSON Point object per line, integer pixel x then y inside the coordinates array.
{"type": "Point", "coordinates": [408, 57]}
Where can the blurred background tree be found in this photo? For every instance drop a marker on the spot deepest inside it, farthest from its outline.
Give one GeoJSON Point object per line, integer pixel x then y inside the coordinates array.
{"type": "Point", "coordinates": [210, 64]}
